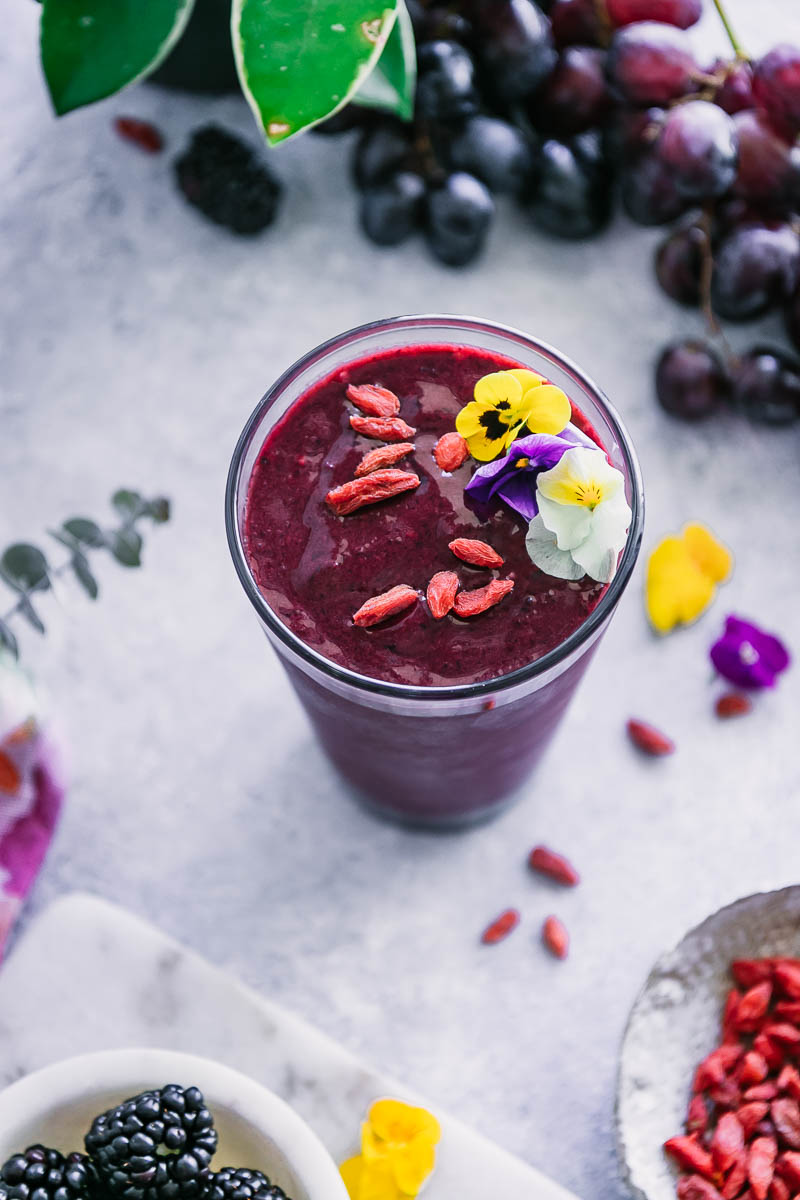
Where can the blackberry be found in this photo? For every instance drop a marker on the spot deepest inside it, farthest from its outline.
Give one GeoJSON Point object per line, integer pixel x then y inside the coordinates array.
{"type": "Point", "coordinates": [156, 1146]}
{"type": "Point", "coordinates": [42, 1174]}
{"type": "Point", "coordinates": [221, 175]}
{"type": "Point", "coordinates": [239, 1183]}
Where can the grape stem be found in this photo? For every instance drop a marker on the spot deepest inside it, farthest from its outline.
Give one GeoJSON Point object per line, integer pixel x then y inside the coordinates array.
{"type": "Point", "coordinates": [732, 38]}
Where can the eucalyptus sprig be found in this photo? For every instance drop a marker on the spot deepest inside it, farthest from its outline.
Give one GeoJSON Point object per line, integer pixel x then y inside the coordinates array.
{"type": "Point", "coordinates": [27, 571]}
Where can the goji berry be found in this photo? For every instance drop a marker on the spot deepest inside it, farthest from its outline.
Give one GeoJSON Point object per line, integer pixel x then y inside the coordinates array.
{"type": "Point", "coordinates": [715, 1066]}
{"type": "Point", "coordinates": [450, 452]}
{"type": "Point", "coordinates": [689, 1153]}
{"type": "Point", "coordinates": [441, 593]}
{"type": "Point", "coordinates": [753, 1006]}
{"type": "Point", "coordinates": [783, 1032]}
{"type": "Point", "coordinates": [749, 1116]}
{"type": "Point", "coordinates": [737, 1178]}
{"type": "Point", "coordinates": [789, 1081]}
{"type": "Point", "coordinates": [761, 1166]}
{"type": "Point", "coordinates": [788, 1167]}
{"type": "Point", "coordinates": [727, 1142]}
{"type": "Point", "coordinates": [778, 1190]}
{"type": "Point", "coordinates": [694, 1187]}
{"type": "Point", "coordinates": [373, 400]}
{"type": "Point", "coordinates": [787, 977]}
{"type": "Point", "coordinates": [730, 1011]}
{"type": "Point", "coordinates": [726, 1094]}
{"type": "Point", "coordinates": [555, 866]}
{"type": "Point", "coordinates": [785, 1114]}
{"type": "Point", "coordinates": [142, 133]}
{"type": "Point", "coordinates": [388, 604]}
{"type": "Point", "coordinates": [762, 1091]}
{"type": "Point", "coordinates": [383, 456]}
{"type": "Point", "coordinates": [501, 927]}
{"type": "Point", "coordinates": [555, 937]}
{"type": "Point", "coordinates": [649, 739]}
{"type": "Point", "coordinates": [386, 429]}
{"type": "Point", "coordinates": [754, 1068]}
{"type": "Point", "coordinates": [770, 1051]}
{"type": "Point", "coordinates": [733, 704]}
{"type": "Point", "coordinates": [697, 1115]}
{"type": "Point", "coordinates": [788, 1010]}
{"type": "Point", "coordinates": [476, 553]}
{"type": "Point", "coordinates": [471, 604]}
{"type": "Point", "coordinates": [379, 485]}
{"type": "Point", "coordinates": [749, 971]}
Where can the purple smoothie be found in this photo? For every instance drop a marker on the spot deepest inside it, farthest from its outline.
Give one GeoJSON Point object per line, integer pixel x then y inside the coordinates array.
{"type": "Point", "coordinates": [315, 569]}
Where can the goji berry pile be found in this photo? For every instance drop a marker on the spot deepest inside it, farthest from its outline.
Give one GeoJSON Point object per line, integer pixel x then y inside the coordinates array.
{"type": "Point", "coordinates": [742, 1139]}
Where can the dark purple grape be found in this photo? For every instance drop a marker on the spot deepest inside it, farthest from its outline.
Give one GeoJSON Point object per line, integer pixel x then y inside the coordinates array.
{"type": "Point", "coordinates": [633, 132]}
{"type": "Point", "coordinates": [649, 194]}
{"type": "Point", "coordinates": [652, 64]}
{"type": "Point", "coordinates": [769, 167]}
{"type": "Point", "coordinates": [755, 267]}
{"type": "Point", "coordinates": [459, 215]}
{"type": "Point", "coordinates": [497, 152]}
{"type": "Point", "coordinates": [736, 92]}
{"type": "Point", "coordinates": [380, 152]}
{"type": "Point", "coordinates": [691, 380]}
{"type": "Point", "coordinates": [766, 386]}
{"type": "Point", "coordinates": [576, 95]}
{"type": "Point", "coordinates": [391, 211]}
{"type": "Point", "coordinates": [515, 46]}
{"type": "Point", "coordinates": [437, 22]}
{"type": "Point", "coordinates": [776, 86]}
{"type": "Point", "coordinates": [793, 319]}
{"type": "Point", "coordinates": [571, 194]}
{"type": "Point", "coordinates": [698, 147]}
{"type": "Point", "coordinates": [576, 22]}
{"type": "Point", "coordinates": [682, 13]}
{"type": "Point", "coordinates": [446, 85]}
{"type": "Point", "coordinates": [679, 264]}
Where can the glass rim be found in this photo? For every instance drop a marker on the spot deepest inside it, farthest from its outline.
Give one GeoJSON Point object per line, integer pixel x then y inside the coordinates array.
{"type": "Point", "coordinates": [462, 691]}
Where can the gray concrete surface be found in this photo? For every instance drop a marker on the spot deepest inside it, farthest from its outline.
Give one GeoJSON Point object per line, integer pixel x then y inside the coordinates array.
{"type": "Point", "coordinates": [136, 339]}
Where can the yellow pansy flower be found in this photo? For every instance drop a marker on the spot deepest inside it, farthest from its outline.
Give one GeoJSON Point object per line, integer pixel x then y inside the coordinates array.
{"type": "Point", "coordinates": [505, 402]}
{"type": "Point", "coordinates": [682, 574]}
{"type": "Point", "coordinates": [398, 1153]}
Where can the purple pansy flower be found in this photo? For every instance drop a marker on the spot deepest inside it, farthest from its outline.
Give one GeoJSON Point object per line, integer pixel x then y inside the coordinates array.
{"type": "Point", "coordinates": [747, 656]}
{"type": "Point", "coordinates": [513, 477]}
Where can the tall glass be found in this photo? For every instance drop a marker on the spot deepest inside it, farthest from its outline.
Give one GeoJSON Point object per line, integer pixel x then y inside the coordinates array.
{"type": "Point", "coordinates": [434, 756]}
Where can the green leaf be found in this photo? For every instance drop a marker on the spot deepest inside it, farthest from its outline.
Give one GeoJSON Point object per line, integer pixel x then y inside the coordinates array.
{"type": "Point", "coordinates": [85, 531]}
{"type": "Point", "coordinates": [80, 565]}
{"type": "Point", "coordinates": [24, 568]}
{"type": "Point", "coordinates": [8, 640]}
{"type": "Point", "coordinates": [300, 62]}
{"type": "Point", "coordinates": [92, 48]}
{"type": "Point", "coordinates": [392, 82]}
{"type": "Point", "coordinates": [29, 613]}
{"type": "Point", "coordinates": [126, 546]}
{"type": "Point", "coordinates": [127, 503]}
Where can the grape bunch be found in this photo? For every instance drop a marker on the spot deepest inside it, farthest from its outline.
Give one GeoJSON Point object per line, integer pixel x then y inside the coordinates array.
{"type": "Point", "coordinates": [570, 105]}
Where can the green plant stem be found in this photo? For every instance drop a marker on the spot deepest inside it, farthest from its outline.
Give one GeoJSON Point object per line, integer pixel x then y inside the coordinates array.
{"type": "Point", "coordinates": [732, 38]}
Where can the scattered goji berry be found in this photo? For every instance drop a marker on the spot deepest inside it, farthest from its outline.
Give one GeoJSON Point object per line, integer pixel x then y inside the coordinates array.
{"type": "Point", "coordinates": [689, 1152]}
{"type": "Point", "coordinates": [476, 553]}
{"type": "Point", "coordinates": [733, 704]}
{"type": "Point", "coordinates": [649, 739]}
{"type": "Point", "coordinates": [556, 937]}
{"type": "Point", "coordinates": [388, 604]}
{"type": "Point", "coordinates": [386, 429]}
{"type": "Point", "coordinates": [379, 485]}
{"type": "Point", "coordinates": [501, 927]}
{"type": "Point", "coordinates": [441, 593]}
{"type": "Point", "coordinates": [470, 604]}
{"type": "Point", "coordinates": [450, 452]}
{"type": "Point", "coordinates": [142, 133]}
{"type": "Point", "coordinates": [383, 456]}
{"type": "Point", "coordinates": [555, 866]}
{"type": "Point", "coordinates": [373, 400]}
{"type": "Point", "coordinates": [761, 1166]}
{"type": "Point", "coordinates": [727, 1142]}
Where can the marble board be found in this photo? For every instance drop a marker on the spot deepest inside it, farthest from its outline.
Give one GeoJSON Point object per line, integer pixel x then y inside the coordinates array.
{"type": "Point", "coordinates": [90, 976]}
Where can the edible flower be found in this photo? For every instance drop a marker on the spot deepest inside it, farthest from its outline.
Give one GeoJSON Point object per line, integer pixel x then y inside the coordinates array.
{"type": "Point", "coordinates": [747, 656]}
{"type": "Point", "coordinates": [682, 576]}
{"type": "Point", "coordinates": [583, 517]}
{"type": "Point", "coordinates": [398, 1153]}
{"type": "Point", "coordinates": [513, 477]}
{"type": "Point", "coordinates": [504, 403]}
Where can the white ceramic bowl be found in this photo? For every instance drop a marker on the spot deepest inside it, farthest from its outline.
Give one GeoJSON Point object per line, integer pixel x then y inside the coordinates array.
{"type": "Point", "coordinates": [256, 1128]}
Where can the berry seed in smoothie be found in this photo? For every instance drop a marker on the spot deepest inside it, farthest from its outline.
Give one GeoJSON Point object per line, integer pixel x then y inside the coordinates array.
{"type": "Point", "coordinates": [434, 515]}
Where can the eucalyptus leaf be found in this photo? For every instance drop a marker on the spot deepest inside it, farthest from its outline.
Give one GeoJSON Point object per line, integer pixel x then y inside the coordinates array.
{"type": "Point", "coordinates": [300, 62]}
{"type": "Point", "coordinates": [92, 48]}
{"type": "Point", "coordinates": [85, 531]}
{"type": "Point", "coordinates": [8, 640]}
{"type": "Point", "coordinates": [127, 503]}
{"type": "Point", "coordinates": [83, 574]}
{"type": "Point", "coordinates": [126, 546]}
{"type": "Point", "coordinates": [392, 82]}
{"type": "Point", "coordinates": [30, 614]}
{"type": "Point", "coordinates": [24, 568]}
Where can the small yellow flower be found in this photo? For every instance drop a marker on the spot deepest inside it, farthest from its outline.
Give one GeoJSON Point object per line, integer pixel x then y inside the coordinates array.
{"type": "Point", "coordinates": [398, 1153]}
{"type": "Point", "coordinates": [682, 574]}
{"type": "Point", "coordinates": [505, 402]}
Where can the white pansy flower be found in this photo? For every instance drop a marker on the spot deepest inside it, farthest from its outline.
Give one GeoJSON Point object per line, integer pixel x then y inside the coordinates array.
{"type": "Point", "coordinates": [583, 517]}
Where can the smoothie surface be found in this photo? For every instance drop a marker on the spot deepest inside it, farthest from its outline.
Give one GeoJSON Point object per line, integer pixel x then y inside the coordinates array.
{"type": "Point", "coordinates": [315, 569]}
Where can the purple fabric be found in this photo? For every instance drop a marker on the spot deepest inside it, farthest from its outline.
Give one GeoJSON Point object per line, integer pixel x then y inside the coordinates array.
{"type": "Point", "coordinates": [747, 656]}
{"type": "Point", "coordinates": [515, 484]}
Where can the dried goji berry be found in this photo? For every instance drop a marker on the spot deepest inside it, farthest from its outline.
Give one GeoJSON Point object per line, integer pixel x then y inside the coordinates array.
{"type": "Point", "coordinates": [788, 1010]}
{"type": "Point", "coordinates": [555, 866]}
{"type": "Point", "coordinates": [383, 456]}
{"type": "Point", "coordinates": [753, 1006]}
{"type": "Point", "coordinates": [749, 971]}
{"type": "Point", "coordinates": [761, 1166]}
{"type": "Point", "coordinates": [379, 485]}
{"type": "Point", "coordinates": [649, 739]}
{"type": "Point", "coordinates": [770, 1051]}
{"type": "Point", "coordinates": [555, 937]}
{"type": "Point", "coordinates": [388, 604]}
{"type": "Point", "coordinates": [476, 553]}
{"type": "Point", "coordinates": [733, 704]}
{"type": "Point", "coordinates": [762, 1091]}
{"type": "Point", "coordinates": [788, 1167]}
{"type": "Point", "coordinates": [689, 1153]}
{"type": "Point", "coordinates": [470, 604]}
{"type": "Point", "coordinates": [694, 1187]}
{"type": "Point", "coordinates": [727, 1142]}
{"type": "Point", "coordinates": [726, 1094]}
{"type": "Point", "coordinates": [715, 1066]}
{"type": "Point", "coordinates": [735, 1182]}
{"type": "Point", "coordinates": [450, 452]}
{"type": "Point", "coordinates": [789, 1081]}
{"type": "Point", "coordinates": [373, 400]}
{"type": "Point", "coordinates": [697, 1115]}
{"type": "Point", "coordinates": [754, 1068]}
{"type": "Point", "coordinates": [730, 1011]}
{"type": "Point", "coordinates": [785, 1114]}
{"type": "Point", "coordinates": [787, 977]}
{"type": "Point", "coordinates": [441, 593]}
{"type": "Point", "coordinates": [501, 927]}
{"type": "Point", "coordinates": [749, 1115]}
{"type": "Point", "coordinates": [783, 1032]}
{"type": "Point", "coordinates": [141, 133]}
{"type": "Point", "coordinates": [386, 429]}
{"type": "Point", "coordinates": [778, 1190]}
